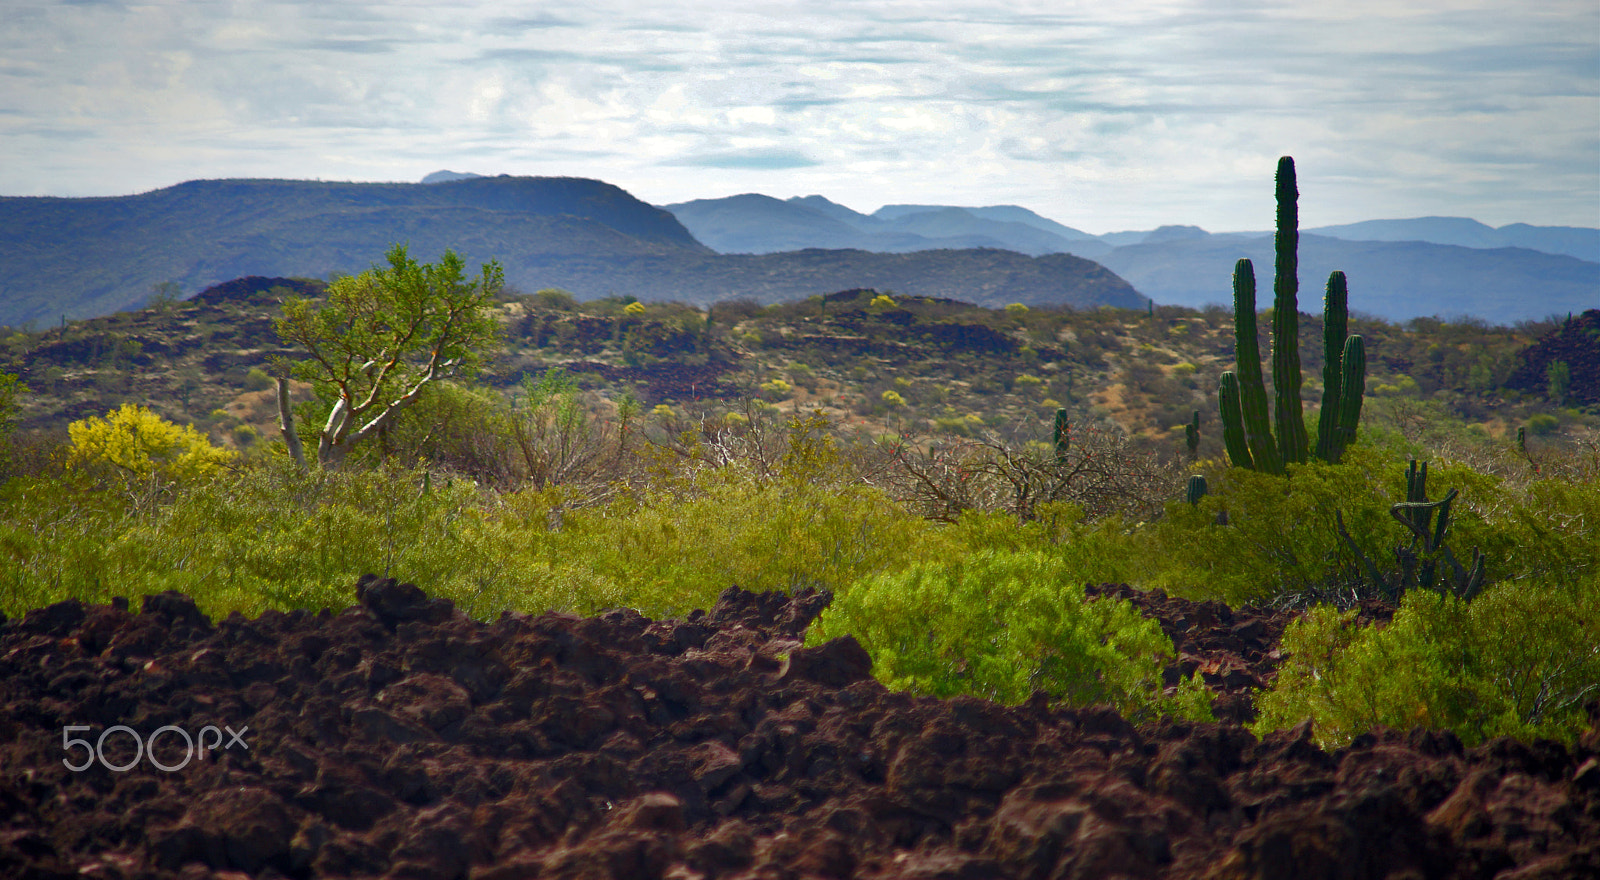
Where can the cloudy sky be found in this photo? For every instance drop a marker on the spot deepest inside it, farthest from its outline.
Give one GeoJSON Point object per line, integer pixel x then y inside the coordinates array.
{"type": "Point", "coordinates": [1105, 115]}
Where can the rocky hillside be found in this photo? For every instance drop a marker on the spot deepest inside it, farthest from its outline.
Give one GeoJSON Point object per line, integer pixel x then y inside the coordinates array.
{"type": "Point", "coordinates": [927, 363]}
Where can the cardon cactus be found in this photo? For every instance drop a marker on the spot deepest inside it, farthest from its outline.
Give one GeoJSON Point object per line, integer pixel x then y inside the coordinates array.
{"type": "Point", "coordinates": [1196, 489]}
{"type": "Point", "coordinates": [1191, 435]}
{"type": "Point", "coordinates": [1344, 374]}
{"type": "Point", "coordinates": [1286, 415]}
{"type": "Point", "coordinates": [1063, 436]}
{"type": "Point", "coordinates": [1242, 397]}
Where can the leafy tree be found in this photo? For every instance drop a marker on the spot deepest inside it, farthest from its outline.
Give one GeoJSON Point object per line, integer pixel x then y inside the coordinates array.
{"type": "Point", "coordinates": [380, 338]}
{"type": "Point", "coordinates": [134, 442]}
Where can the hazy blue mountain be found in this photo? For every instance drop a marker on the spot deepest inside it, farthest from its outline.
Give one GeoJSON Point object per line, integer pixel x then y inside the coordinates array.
{"type": "Point", "coordinates": [1062, 238]}
{"type": "Point", "coordinates": [1574, 241]}
{"type": "Point", "coordinates": [760, 224]}
{"type": "Point", "coordinates": [1120, 239]}
{"type": "Point", "coordinates": [944, 223]}
{"type": "Point", "coordinates": [86, 257]}
{"type": "Point", "coordinates": [447, 176]}
{"type": "Point", "coordinates": [1397, 280]}
{"type": "Point", "coordinates": [837, 211]}
{"type": "Point", "coordinates": [1017, 214]}
{"type": "Point", "coordinates": [757, 224]}
{"type": "Point", "coordinates": [1402, 269]}
{"type": "Point", "coordinates": [1173, 233]}
{"type": "Point", "coordinates": [895, 212]}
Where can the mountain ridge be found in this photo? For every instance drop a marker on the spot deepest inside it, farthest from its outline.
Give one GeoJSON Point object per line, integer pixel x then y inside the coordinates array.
{"type": "Point", "coordinates": [1398, 276]}
{"type": "Point", "coordinates": [75, 258]}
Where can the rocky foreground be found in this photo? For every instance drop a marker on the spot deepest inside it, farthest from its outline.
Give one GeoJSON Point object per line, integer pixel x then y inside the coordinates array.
{"type": "Point", "coordinates": [402, 739]}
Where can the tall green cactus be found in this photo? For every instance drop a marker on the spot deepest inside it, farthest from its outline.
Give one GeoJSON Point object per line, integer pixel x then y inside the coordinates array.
{"type": "Point", "coordinates": [1242, 397]}
{"type": "Point", "coordinates": [1286, 414]}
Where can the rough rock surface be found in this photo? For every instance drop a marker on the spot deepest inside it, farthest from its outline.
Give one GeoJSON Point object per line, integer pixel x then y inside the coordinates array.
{"type": "Point", "coordinates": [401, 739]}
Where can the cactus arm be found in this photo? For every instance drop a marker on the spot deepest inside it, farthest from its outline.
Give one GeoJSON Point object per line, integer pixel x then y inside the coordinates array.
{"type": "Point", "coordinates": [1335, 320]}
{"type": "Point", "coordinates": [1444, 521]}
{"type": "Point", "coordinates": [1353, 387]}
{"type": "Point", "coordinates": [1247, 357]}
{"type": "Point", "coordinates": [1288, 418]}
{"type": "Point", "coordinates": [1474, 583]}
{"type": "Point", "coordinates": [1371, 569]}
{"type": "Point", "coordinates": [1417, 515]}
{"type": "Point", "coordinates": [1233, 422]}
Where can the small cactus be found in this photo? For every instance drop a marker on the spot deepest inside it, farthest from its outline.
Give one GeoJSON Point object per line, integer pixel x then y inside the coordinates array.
{"type": "Point", "coordinates": [1419, 560]}
{"type": "Point", "coordinates": [1062, 436]}
{"type": "Point", "coordinates": [1196, 489]}
{"type": "Point", "coordinates": [1191, 435]}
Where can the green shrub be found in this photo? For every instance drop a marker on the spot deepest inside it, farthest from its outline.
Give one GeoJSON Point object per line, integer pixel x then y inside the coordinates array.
{"type": "Point", "coordinates": [1279, 538]}
{"type": "Point", "coordinates": [1519, 661]}
{"type": "Point", "coordinates": [1003, 624]}
{"type": "Point", "coordinates": [264, 537]}
{"type": "Point", "coordinates": [1280, 542]}
{"type": "Point", "coordinates": [257, 380]}
{"type": "Point", "coordinates": [270, 536]}
{"type": "Point", "coordinates": [776, 389]}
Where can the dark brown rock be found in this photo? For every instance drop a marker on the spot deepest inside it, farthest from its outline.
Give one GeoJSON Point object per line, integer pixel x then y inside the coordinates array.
{"type": "Point", "coordinates": [401, 739]}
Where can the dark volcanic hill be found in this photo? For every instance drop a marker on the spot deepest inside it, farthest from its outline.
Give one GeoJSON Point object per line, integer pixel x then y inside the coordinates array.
{"type": "Point", "coordinates": [73, 258]}
{"type": "Point", "coordinates": [983, 276]}
{"type": "Point", "coordinates": [1575, 343]}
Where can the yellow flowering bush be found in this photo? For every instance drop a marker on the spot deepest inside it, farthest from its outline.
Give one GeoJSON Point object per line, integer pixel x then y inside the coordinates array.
{"type": "Point", "coordinates": [135, 442]}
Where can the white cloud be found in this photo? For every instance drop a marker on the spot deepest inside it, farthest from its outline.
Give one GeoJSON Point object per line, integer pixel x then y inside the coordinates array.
{"type": "Point", "coordinates": [1103, 116]}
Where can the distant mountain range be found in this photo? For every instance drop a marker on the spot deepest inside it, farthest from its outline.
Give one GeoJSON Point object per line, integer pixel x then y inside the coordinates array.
{"type": "Point", "coordinates": [75, 258]}
{"type": "Point", "coordinates": [1398, 269]}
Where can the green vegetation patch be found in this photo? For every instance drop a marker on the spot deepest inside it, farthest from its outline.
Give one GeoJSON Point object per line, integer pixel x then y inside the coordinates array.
{"type": "Point", "coordinates": [1003, 624]}
{"type": "Point", "coordinates": [1520, 661]}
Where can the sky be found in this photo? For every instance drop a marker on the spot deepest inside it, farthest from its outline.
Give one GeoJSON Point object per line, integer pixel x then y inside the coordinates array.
{"type": "Point", "coordinates": [1105, 116]}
